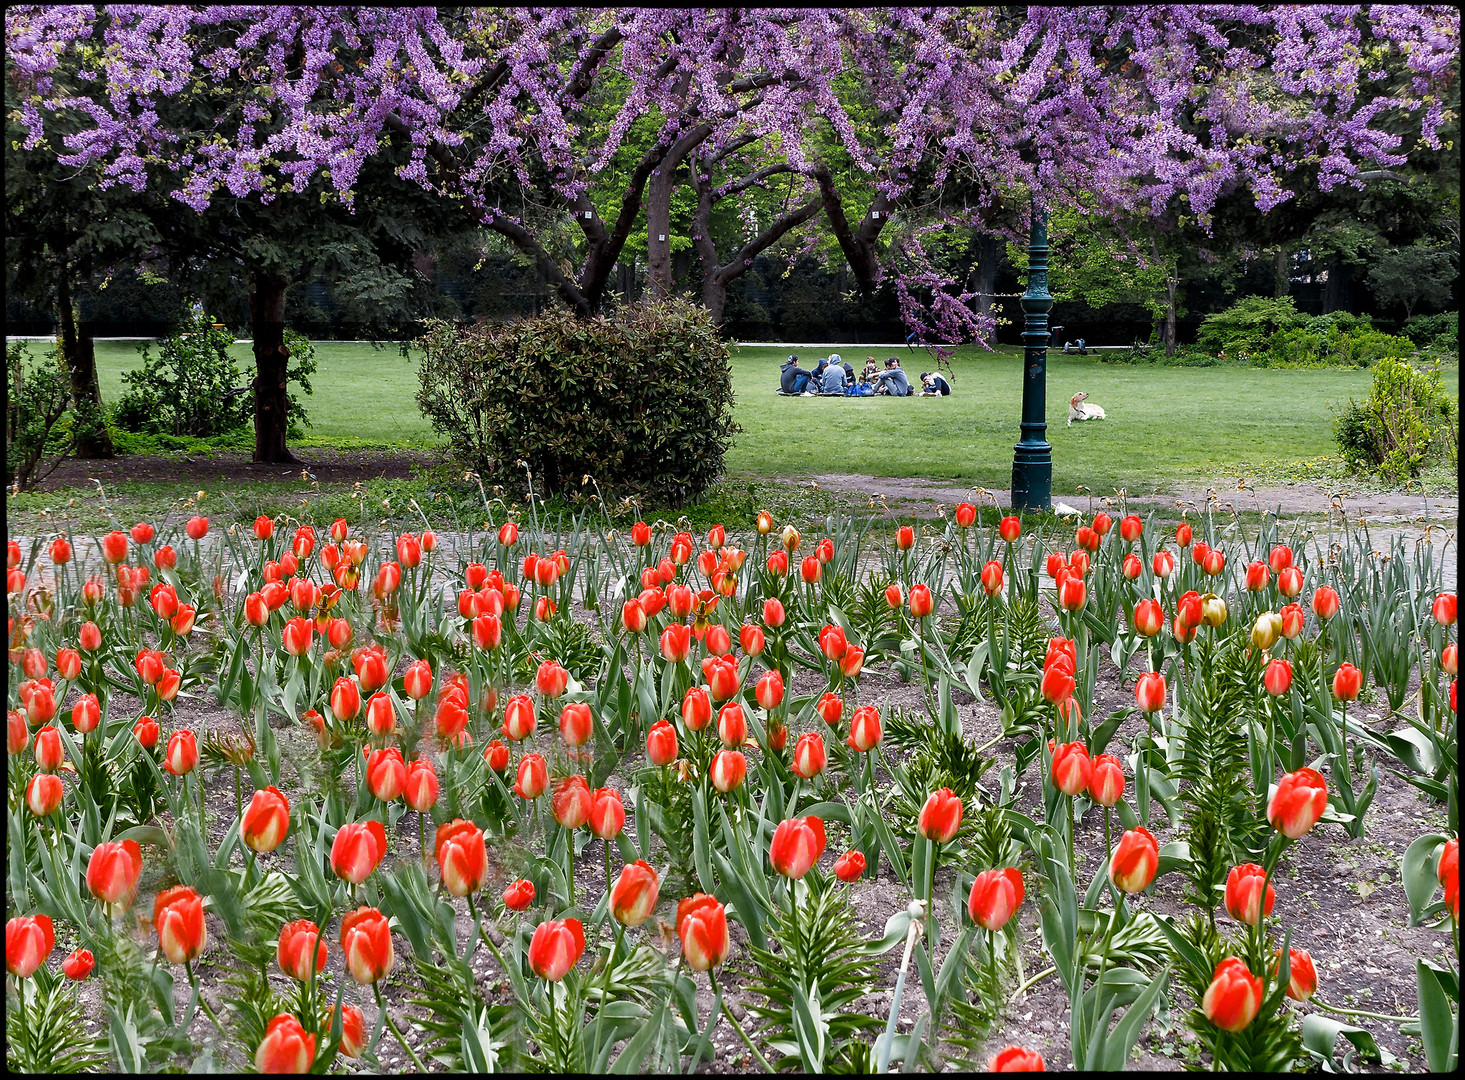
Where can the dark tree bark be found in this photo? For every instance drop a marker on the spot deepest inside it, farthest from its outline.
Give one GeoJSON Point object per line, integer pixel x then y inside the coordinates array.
{"type": "Point", "coordinates": [715, 277]}
{"type": "Point", "coordinates": [858, 244]}
{"type": "Point", "coordinates": [79, 351]}
{"type": "Point", "coordinates": [271, 359]}
{"type": "Point", "coordinates": [990, 252]}
{"type": "Point", "coordinates": [1337, 290]}
{"type": "Point", "coordinates": [1283, 284]}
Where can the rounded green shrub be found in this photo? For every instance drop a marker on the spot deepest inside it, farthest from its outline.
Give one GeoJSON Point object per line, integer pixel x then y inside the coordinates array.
{"type": "Point", "coordinates": [641, 401]}
{"type": "Point", "coordinates": [1406, 419]}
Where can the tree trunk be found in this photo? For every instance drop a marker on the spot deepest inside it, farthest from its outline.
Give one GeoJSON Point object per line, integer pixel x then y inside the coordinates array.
{"type": "Point", "coordinates": [1336, 290]}
{"type": "Point", "coordinates": [81, 363]}
{"type": "Point", "coordinates": [1168, 336]}
{"type": "Point", "coordinates": [1282, 284]}
{"type": "Point", "coordinates": [714, 297]}
{"type": "Point", "coordinates": [271, 358]}
{"type": "Point", "coordinates": [990, 250]}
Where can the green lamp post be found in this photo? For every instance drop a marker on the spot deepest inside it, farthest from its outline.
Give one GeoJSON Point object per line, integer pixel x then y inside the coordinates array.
{"type": "Point", "coordinates": [1032, 459]}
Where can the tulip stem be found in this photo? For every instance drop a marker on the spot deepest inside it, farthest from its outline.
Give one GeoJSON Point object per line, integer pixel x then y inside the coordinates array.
{"type": "Point", "coordinates": [615, 948]}
{"type": "Point", "coordinates": [1030, 983]}
{"type": "Point", "coordinates": [238, 794]}
{"type": "Point", "coordinates": [392, 1025]}
{"type": "Point", "coordinates": [606, 843]}
{"type": "Point", "coordinates": [198, 999]}
{"type": "Point", "coordinates": [1359, 1012]}
{"type": "Point", "coordinates": [1072, 867]}
{"type": "Point", "coordinates": [739, 1027]}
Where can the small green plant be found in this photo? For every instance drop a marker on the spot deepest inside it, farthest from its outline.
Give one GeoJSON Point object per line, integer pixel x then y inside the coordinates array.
{"type": "Point", "coordinates": [1247, 326]}
{"type": "Point", "coordinates": [37, 439]}
{"type": "Point", "coordinates": [192, 387]}
{"type": "Point", "coordinates": [1406, 418]}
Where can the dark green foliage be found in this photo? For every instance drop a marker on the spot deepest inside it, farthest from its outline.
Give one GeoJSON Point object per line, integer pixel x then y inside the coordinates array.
{"type": "Point", "coordinates": [820, 952]}
{"type": "Point", "coordinates": [192, 387]}
{"type": "Point", "coordinates": [564, 639]}
{"type": "Point", "coordinates": [37, 393]}
{"type": "Point", "coordinates": [641, 401]}
{"type": "Point", "coordinates": [1224, 820]}
{"type": "Point", "coordinates": [1247, 326]}
{"type": "Point", "coordinates": [937, 758]}
{"type": "Point", "coordinates": [1407, 419]}
{"type": "Point", "coordinates": [1441, 332]}
{"type": "Point", "coordinates": [47, 1036]}
{"type": "Point", "coordinates": [972, 1013]}
{"type": "Point", "coordinates": [449, 1001]}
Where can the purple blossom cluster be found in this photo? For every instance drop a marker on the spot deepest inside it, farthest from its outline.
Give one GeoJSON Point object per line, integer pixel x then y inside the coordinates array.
{"type": "Point", "coordinates": [1128, 108]}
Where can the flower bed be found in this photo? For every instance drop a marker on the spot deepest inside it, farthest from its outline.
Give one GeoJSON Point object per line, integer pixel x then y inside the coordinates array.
{"type": "Point", "coordinates": [579, 801]}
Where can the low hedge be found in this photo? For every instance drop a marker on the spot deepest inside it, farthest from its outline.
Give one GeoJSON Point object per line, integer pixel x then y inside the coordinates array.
{"type": "Point", "coordinates": [641, 401]}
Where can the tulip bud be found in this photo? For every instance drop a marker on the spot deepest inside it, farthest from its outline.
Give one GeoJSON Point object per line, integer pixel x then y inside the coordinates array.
{"type": "Point", "coordinates": [940, 816]}
{"type": "Point", "coordinates": [1234, 997]}
{"type": "Point", "coordinates": [995, 897]}
{"type": "Point", "coordinates": [1277, 678]}
{"type": "Point", "coordinates": [1266, 630]}
{"type": "Point", "coordinates": [1135, 862]}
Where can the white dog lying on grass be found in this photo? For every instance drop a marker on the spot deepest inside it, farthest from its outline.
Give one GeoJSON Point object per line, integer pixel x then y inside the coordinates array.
{"type": "Point", "coordinates": [1079, 409]}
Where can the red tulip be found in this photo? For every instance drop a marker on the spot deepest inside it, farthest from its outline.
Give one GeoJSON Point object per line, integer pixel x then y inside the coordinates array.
{"type": "Point", "coordinates": [78, 965]}
{"type": "Point", "coordinates": [555, 948]}
{"type": "Point", "coordinates": [551, 679]}
{"type": "Point", "coordinates": [992, 578]}
{"type": "Point", "coordinates": [301, 952]}
{"type": "Point", "coordinates": [1017, 1059]}
{"type": "Point", "coordinates": [1244, 886]}
{"type": "Point", "coordinates": [696, 709]}
{"type": "Point", "coordinates": [181, 756]}
{"type": "Point", "coordinates": [43, 794]}
{"type": "Point", "coordinates": [519, 717]}
{"type": "Point", "coordinates": [1106, 783]}
{"type": "Point", "coordinates": [849, 866]}
{"type": "Point", "coordinates": [297, 636]}
{"type": "Point", "coordinates": [607, 813]}
{"type": "Point", "coordinates": [519, 894]}
{"type": "Point", "coordinates": [769, 690]}
{"type": "Point", "coordinates": [86, 714]}
{"type": "Point", "coordinates": [633, 899]}
{"type": "Point", "coordinates": [921, 602]}
{"type": "Point", "coordinates": [773, 613]}
{"type": "Point", "coordinates": [1135, 861]}
{"type": "Point", "coordinates": [1009, 528]}
{"type": "Point", "coordinates": [1058, 683]}
{"type": "Point", "coordinates": [1450, 659]}
{"type": "Point", "coordinates": [995, 897]}
{"type": "Point", "coordinates": [809, 756]}
{"type": "Point", "coordinates": [1277, 678]}
{"type": "Point", "coordinates": [570, 803]}
{"type": "Point", "coordinates": [576, 724]}
{"type": "Point", "coordinates": [661, 744]}
{"type": "Point", "coordinates": [508, 534]}
{"type": "Point", "coordinates": [940, 816]}
{"type": "Point", "coordinates": [197, 528]}
{"type": "Point", "coordinates": [1347, 682]}
{"type": "Point", "coordinates": [1292, 619]}
{"type": "Point", "coordinates": [266, 820]}
{"type": "Point", "coordinates": [676, 642]}
{"type": "Point", "coordinates": [1289, 581]}
{"type": "Point", "coordinates": [1130, 528]}
{"type": "Point", "coordinates": [702, 927]}
{"type": "Point", "coordinates": [113, 870]}
{"type": "Point", "coordinates": [1234, 997]}
{"type": "Point", "coordinates": [1444, 609]}
{"type": "Point", "coordinates": [894, 598]}
{"type": "Point", "coordinates": [1257, 576]}
{"type": "Point", "coordinates": [1148, 618]}
{"type": "Point", "coordinates": [796, 846]}
{"type": "Point", "coordinates": [732, 726]}
{"type": "Point", "coordinates": [366, 943]}
{"type": "Point", "coordinates": [1086, 539]}
{"type": "Point", "coordinates": [114, 548]}
{"type": "Point", "coordinates": [1302, 975]}
{"type": "Point", "coordinates": [1131, 568]}
{"type": "Point", "coordinates": [357, 850]}
{"type": "Point", "coordinates": [178, 919]}
{"type": "Point", "coordinates": [1163, 564]}
{"type": "Point", "coordinates": [1297, 803]}
{"type": "Point", "coordinates": [89, 637]}
{"type": "Point", "coordinates": [1071, 768]}
{"type": "Point", "coordinates": [60, 551]}
{"type": "Point", "coordinates": [421, 789]}
{"type": "Point", "coordinates": [1325, 602]}
{"type": "Point", "coordinates": [146, 732]}
{"type": "Point", "coordinates": [865, 730]}
{"type": "Point", "coordinates": [286, 1047]}
{"type": "Point", "coordinates": [751, 640]}
{"type": "Point", "coordinates": [832, 642]}
{"type": "Point", "coordinates": [729, 769]}
{"type": "Point", "coordinates": [721, 674]}
{"type": "Point", "coordinates": [462, 857]}
{"type": "Point", "coordinates": [532, 778]}
{"type": "Point", "coordinates": [966, 514]}
{"type": "Point", "coordinates": [1149, 692]}
{"type": "Point", "coordinates": [29, 940]}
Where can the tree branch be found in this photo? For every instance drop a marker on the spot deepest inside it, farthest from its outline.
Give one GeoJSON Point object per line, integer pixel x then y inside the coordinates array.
{"type": "Point", "coordinates": [767, 238]}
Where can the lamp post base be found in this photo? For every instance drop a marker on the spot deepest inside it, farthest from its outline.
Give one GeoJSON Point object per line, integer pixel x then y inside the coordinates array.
{"type": "Point", "coordinates": [1032, 477]}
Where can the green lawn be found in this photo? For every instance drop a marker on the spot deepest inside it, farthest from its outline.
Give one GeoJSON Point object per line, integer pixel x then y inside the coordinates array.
{"type": "Point", "coordinates": [1165, 424]}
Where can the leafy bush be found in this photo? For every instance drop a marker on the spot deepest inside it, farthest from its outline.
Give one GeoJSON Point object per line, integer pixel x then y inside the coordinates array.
{"type": "Point", "coordinates": [192, 387]}
{"type": "Point", "coordinates": [1440, 331]}
{"type": "Point", "coordinates": [1406, 416]}
{"type": "Point", "coordinates": [641, 401]}
{"type": "Point", "coordinates": [36, 397]}
{"type": "Point", "coordinates": [1247, 326]}
{"type": "Point", "coordinates": [195, 389]}
{"type": "Point", "coordinates": [1336, 346]}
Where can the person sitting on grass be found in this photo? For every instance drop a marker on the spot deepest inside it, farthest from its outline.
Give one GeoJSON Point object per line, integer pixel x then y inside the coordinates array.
{"type": "Point", "coordinates": [831, 381]}
{"type": "Point", "coordinates": [893, 380]}
{"type": "Point", "coordinates": [793, 379]}
{"type": "Point", "coordinates": [871, 373]}
{"type": "Point", "coordinates": [933, 383]}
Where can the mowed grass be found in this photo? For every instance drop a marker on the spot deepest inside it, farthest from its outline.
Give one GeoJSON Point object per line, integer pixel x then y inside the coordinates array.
{"type": "Point", "coordinates": [1165, 425]}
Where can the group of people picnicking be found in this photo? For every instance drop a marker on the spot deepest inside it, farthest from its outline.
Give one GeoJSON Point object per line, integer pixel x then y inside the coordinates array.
{"type": "Point", "coordinates": [833, 376]}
